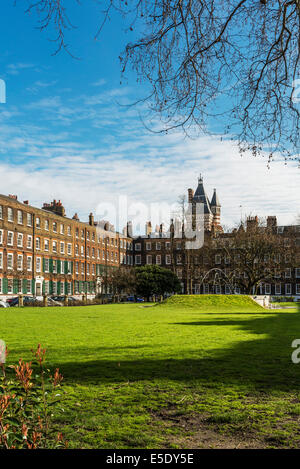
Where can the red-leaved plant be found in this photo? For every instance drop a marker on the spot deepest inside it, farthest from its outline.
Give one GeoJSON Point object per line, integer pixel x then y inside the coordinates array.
{"type": "Point", "coordinates": [29, 398]}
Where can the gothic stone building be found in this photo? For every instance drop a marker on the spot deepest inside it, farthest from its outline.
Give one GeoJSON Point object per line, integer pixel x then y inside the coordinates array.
{"type": "Point", "coordinates": [164, 249]}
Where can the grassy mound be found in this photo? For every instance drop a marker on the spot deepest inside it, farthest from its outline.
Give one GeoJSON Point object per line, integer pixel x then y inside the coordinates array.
{"type": "Point", "coordinates": [215, 302]}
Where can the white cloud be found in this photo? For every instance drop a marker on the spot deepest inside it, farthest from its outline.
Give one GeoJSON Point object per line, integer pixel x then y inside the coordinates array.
{"type": "Point", "coordinates": [162, 168]}
{"type": "Point", "coordinates": [62, 152]}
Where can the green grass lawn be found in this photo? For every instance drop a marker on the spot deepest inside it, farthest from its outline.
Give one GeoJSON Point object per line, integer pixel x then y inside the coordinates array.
{"type": "Point", "coordinates": [209, 371]}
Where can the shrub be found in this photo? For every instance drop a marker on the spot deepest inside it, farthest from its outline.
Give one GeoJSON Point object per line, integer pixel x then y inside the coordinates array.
{"type": "Point", "coordinates": [29, 398]}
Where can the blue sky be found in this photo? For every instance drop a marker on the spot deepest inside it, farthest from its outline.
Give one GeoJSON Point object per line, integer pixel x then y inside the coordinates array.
{"type": "Point", "coordinates": [66, 132]}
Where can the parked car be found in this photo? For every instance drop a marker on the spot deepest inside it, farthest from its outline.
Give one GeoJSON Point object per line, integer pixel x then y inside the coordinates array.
{"type": "Point", "coordinates": [132, 299]}
{"type": "Point", "coordinates": [61, 298]}
{"type": "Point", "coordinates": [27, 301]}
{"type": "Point", "coordinates": [51, 302]}
{"type": "Point", "coordinates": [4, 304]}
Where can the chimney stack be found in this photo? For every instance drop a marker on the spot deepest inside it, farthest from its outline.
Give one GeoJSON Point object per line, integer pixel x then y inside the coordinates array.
{"type": "Point", "coordinates": [91, 219]}
{"type": "Point", "coordinates": [148, 228]}
{"type": "Point", "coordinates": [271, 222]}
{"type": "Point", "coordinates": [190, 195]}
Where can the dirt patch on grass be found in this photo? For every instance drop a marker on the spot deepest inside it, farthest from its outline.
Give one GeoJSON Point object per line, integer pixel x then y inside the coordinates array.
{"type": "Point", "coordinates": [196, 431]}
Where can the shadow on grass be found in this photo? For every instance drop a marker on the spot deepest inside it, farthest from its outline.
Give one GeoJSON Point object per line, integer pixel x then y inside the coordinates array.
{"type": "Point", "coordinates": [263, 363]}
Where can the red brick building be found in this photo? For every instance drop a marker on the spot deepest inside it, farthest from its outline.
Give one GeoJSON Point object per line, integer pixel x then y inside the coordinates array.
{"type": "Point", "coordinates": [42, 251]}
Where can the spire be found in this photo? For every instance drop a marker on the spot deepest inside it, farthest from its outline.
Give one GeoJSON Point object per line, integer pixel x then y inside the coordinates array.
{"type": "Point", "coordinates": [215, 200]}
{"type": "Point", "coordinates": [200, 195]}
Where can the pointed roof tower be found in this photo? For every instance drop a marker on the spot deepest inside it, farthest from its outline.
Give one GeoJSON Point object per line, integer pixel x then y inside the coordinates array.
{"type": "Point", "coordinates": [200, 196]}
{"type": "Point", "coordinates": [215, 200]}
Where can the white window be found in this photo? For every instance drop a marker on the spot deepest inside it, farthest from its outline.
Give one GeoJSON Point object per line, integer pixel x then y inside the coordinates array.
{"type": "Point", "coordinates": [167, 245]}
{"type": "Point", "coordinates": [38, 264]}
{"type": "Point", "coordinates": [29, 263]}
{"type": "Point", "coordinates": [82, 268]}
{"type": "Point", "coordinates": [69, 231]}
{"type": "Point", "coordinates": [10, 285]}
{"type": "Point", "coordinates": [37, 243]}
{"type": "Point", "coordinates": [1, 260]}
{"type": "Point", "coordinates": [28, 286]}
{"type": "Point", "coordinates": [47, 244]}
{"type": "Point", "coordinates": [267, 289]}
{"type": "Point", "coordinates": [217, 259]}
{"type": "Point", "coordinates": [29, 219]}
{"type": "Point", "coordinates": [288, 289]}
{"type": "Point", "coordinates": [82, 250]}
{"type": "Point", "coordinates": [298, 289]}
{"type": "Point", "coordinates": [76, 268]}
{"type": "Point", "coordinates": [138, 246]}
{"type": "Point", "coordinates": [158, 246]}
{"type": "Point", "coordinates": [10, 214]}
{"type": "Point", "coordinates": [178, 245]}
{"type": "Point", "coordinates": [287, 258]}
{"type": "Point", "coordinates": [138, 259]}
{"type": "Point", "coordinates": [88, 269]}
{"type": "Point", "coordinates": [278, 289]}
{"type": "Point", "coordinates": [10, 238]}
{"type": "Point", "coordinates": [149, 259]}
{"type": "Point", "coordinates": [88, 235]}
{"type": "Point", "coordinates": [38, 222]}
{"type": "Point", "coordinates": [46, 265]}
{"type": "Point", "coordinates": [62, 229]}
{"type": "Point", "coordinates": [158, 259]}
{"type": "Point", "coordinates": [29, 242]}
{"type": "Point", "coordinates": [54, 288]}
{"type": "Point", "coordinates": [20, 217]}
{"type": "Point", "coordinates": [1, 236]}
{"type": "Point", "coordinates": [20, 240]}
{"type": "Point", "coordinates": [47, 288]}
{"type": "Point", "coordinates": [69, 267]}
{"type": "Point", "coordinates": [297, 272]}
{"type": "Point", "coordinates": [69, 288]}
{"type": "Point", "coordinates": [54, 226]}
{"type": "Point", "coordinates": [70, 249]}
{"type": "Point", "coordinates": [168, 259]}
{"type": "Point", "coordinates": [55, 266]}
{"type": "Point", "coordinates": [47, 225]}
{"type": "Point", "coordinates": [288, 273]}
{"type": "Point", "coordinates": [10, 260]}
{"type": "Point", "coordinates": [20, 262]}
{"type": "Point", "coordinates": [1, 212]}
{"type": "Point", "coordinates": [54, 246]}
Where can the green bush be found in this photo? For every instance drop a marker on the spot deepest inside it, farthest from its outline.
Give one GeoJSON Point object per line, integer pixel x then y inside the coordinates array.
{"type": "Point", "coordinates": [29, 398]}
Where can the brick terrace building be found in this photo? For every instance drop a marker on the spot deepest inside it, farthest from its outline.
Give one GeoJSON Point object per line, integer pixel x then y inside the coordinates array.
{"type": "Point", "coordinates": [44, 252]}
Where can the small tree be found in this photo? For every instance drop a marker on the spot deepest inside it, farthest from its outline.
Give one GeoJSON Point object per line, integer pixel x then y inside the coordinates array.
{"type": "Point", "coordinates": [123, 280]}
{"type": "Point", "coordinates": [154, 280]}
